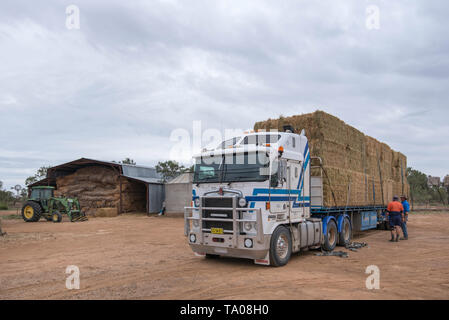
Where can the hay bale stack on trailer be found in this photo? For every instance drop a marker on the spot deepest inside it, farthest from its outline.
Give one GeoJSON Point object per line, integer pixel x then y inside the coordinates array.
{"type": "Point", "coordinates": [358, 169]}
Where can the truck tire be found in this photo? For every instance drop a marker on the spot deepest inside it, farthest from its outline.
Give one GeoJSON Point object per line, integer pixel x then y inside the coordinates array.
{"type": "Point", "coordinates": [56, 217]}
{"type": "Point", "coordinates": [331, 236]}
{"type": "Point", "coordinates": [345, 235]}
{"type": "Point", "coordinates": [31, 211]}
{"type": "Point", "coordinates": [280, 247]}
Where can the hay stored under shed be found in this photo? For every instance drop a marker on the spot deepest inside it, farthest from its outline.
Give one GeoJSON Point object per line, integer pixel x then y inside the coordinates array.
{"type": "Point", "coordinates": [98, 187]}
{"type": "Point", "coordinates": [107, 188]}
{"type": "Point", "coordinates": [358, 169]}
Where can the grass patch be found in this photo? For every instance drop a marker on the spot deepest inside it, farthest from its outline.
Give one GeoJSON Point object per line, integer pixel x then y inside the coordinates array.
{"type": "Point", "coordinates": [11, 217]}
{"type": "Point", "coordinates": [429, 212]}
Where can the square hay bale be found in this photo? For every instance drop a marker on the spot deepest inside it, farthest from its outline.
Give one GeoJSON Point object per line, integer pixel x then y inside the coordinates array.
{"type": "Point", "coordinates": [361, 170]}
{"type": "Point", "coordinates": [106, 212]}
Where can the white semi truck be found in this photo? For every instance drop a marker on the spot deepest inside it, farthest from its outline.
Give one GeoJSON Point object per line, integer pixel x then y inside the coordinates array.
{"type": "Point", "coordinates": [254, 197]}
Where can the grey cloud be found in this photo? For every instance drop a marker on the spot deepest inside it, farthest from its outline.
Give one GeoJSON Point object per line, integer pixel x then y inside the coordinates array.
{"type": "Point", "coordinates": [135, 71]}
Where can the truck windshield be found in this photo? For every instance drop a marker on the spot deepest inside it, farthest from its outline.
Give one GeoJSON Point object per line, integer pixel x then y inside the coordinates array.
{"type": "Point", "coordinates": [232, 168]}
{"type": "Point", "coordinates": [228, 143]}
{"type": "Point", "coordinates": [261, 139]}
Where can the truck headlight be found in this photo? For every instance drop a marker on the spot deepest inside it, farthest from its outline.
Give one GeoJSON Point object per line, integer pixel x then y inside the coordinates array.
{"type": "Point", "coordinates": [248, 243]}
{"type": "Point", "coordinates": [248, 226]}
{"type": "Point", "coordinates": [197, 202]}
{"type": "Point", "coordinates": [242, 202]}
{"type": "Point", "coordinates": [196, 223]}
{"type": "Point", "coordinates": [192, 238]}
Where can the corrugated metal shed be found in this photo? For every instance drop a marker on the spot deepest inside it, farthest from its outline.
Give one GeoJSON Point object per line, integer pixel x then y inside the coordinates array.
{"type": "Point", "coordinates": [182, 178]}
{"type": "Point", "coordinates": [178, 193]}
{"type": "Point", "coordinates": [143, 174]}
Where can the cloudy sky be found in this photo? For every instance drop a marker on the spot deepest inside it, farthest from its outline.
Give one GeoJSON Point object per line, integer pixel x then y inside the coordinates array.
{"type": "Point", "coordinates": [135, 71]}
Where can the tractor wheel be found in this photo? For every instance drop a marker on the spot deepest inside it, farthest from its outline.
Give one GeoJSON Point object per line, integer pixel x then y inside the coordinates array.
{"type": "Point", "coordinates": [56, 217]}
{"type": "Point", "coordinates": [31, 211]}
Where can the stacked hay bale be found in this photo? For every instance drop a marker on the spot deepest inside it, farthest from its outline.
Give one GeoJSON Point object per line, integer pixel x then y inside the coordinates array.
{"type": "Point", "coordinates": [98, 190]}
{"type": "Point", "coordinates": [359, 169]}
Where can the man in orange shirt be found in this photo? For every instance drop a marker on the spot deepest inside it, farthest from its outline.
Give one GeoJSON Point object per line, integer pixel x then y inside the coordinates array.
{"type": "Point", "coordinates": [395, 216]}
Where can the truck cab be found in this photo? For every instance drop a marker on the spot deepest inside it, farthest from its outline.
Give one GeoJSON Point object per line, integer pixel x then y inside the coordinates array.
{"type": "Point", "coordinates": [251, 199]}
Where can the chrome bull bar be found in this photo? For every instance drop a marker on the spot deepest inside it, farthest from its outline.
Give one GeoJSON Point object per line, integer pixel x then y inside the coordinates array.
{"type": "Point", "coordinates": [188, 211]}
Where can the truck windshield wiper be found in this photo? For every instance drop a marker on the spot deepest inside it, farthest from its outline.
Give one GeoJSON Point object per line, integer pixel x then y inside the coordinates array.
{"type": "Point", "coordinates": [223, 172]}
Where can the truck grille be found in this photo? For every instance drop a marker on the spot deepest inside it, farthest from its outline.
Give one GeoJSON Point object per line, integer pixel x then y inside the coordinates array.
{"type": "Point", "coordinates": [223, 214]}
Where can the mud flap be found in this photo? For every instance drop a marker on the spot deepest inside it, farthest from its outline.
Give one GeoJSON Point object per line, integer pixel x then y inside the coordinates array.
{"type": "Point", "coordinates": [201, 254]}
{"type": "Point", "coordinates": [265, 261]}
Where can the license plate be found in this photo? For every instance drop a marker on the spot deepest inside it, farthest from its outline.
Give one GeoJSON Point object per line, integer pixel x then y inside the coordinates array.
{"type": "Point", "coordinates": [216, 230]}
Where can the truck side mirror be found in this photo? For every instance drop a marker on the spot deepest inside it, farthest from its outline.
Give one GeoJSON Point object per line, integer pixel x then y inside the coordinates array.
{"type": "Point", "coordinates": [282, 171]}
{"type": "Point", "coordinates": [274, 174]}
{"type": "Point", "coordinates": [274, 181]}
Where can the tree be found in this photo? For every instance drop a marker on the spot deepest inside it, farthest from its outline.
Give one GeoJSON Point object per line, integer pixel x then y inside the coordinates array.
{"type": "Point", "coordinates": [40, 174]}
{"type": "Point", "coordinates": [420, 190]}
{"type": "Point", "coordinates": [128, 161]}
{"type": "Point", "coordinates": [170, 169]}
{"type": "Point", "coordinates": [30, 180]}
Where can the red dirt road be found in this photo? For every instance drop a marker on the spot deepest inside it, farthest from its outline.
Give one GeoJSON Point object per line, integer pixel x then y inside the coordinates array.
{"type": "Point", "coordinates": [140, 257]}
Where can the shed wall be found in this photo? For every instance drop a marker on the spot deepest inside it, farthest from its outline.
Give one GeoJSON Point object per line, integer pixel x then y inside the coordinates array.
{"type": "Point", "coordinates": [155, 197]}
{"type": "Point", "coordinates": [177, 196]}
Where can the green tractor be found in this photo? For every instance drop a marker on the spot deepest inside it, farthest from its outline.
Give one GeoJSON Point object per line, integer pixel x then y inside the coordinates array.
{"type": "Point", "coordinates": [42, 203]}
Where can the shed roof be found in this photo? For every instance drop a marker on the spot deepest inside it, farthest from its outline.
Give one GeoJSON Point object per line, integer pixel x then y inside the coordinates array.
{"type": "Point", "coordinates": [141, 173]}
{"type": "Point", "coordinates": [186, 177]}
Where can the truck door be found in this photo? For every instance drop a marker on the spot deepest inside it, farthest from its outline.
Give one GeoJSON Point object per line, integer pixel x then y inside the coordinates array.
{"type": "Point", "coordinates": [295, 172]}
{"type": "Point", "coordinates": [279, 193]}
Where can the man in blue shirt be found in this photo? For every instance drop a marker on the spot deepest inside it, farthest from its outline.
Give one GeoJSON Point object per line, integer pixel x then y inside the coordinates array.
{"type": "Point", "coordinates": [406, 206]}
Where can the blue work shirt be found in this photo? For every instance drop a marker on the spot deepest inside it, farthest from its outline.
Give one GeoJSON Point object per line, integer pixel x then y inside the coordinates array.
{"type": "Point", "coordinates": [406, 206]}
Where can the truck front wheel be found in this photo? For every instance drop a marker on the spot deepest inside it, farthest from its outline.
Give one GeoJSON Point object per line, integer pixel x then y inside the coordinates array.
{"type": "Point", "coordinates": [331, 236]}
{"type": "Point", "coordinates": [280, 247]}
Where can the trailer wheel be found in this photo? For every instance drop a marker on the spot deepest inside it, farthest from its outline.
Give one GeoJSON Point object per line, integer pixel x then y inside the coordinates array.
{"type": "Point", "coordinates": [344, 237]}
{"type": "Point", "coordinates": [280, 247]}
{"type": "Point", "coordinates": [331, 236]}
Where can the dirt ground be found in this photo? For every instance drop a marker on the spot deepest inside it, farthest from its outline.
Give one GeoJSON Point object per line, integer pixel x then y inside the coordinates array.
{"type": "Point", "coordinates": [140, 257]}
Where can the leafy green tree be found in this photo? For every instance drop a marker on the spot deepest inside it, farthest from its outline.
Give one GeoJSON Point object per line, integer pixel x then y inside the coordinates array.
{"type": "Point", "coordinates": [30, 180]}
{"type": "Point", "coordinates": [40, 174]}
{"type": "Point", "coordinates": [128, 161]}
{"type": "Point", "coordinates": [420, 190]}
{"type": "Point", "coordinates": [170, 169]}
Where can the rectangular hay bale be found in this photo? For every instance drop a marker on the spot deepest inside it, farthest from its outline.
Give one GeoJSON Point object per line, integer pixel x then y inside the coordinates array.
{"type": "Point", "coordinates": [359, 167]}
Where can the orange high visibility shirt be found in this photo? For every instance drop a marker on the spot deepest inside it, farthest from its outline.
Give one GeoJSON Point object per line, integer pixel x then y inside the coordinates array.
{"type": "Point", "coordinates": [395, 206]}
